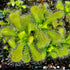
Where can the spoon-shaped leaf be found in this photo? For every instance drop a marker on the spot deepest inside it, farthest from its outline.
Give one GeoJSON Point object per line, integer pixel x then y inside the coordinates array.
{"type": "Point", "coordinates": [18, 53]}
{"type": "Point", "coordinates": [43, 40]}
{"type": "Point", "coordinates": [53, 17]}
{"type": "Point", "coordinates": [36, 55]}
{"type": "Point", "coordinates": [43, 54]}
{"type": "Point", "coordinates": [35, 12]}
{"type": "Point", "coordinates": [12, 43]}
{"type": "Point", "coordinates": [7, 31]}
{"type": "Point", "coordinates": [26, 55]}
{"type": "Point", "coordinates": [56, 38]}
{"type": "Point", "coordinates": [15, 19]}
{"type": "Point", "coordinates": [21, 34]}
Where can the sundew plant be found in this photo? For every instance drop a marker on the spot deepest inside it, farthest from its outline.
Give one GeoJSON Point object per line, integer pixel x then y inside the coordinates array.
{"type": "Point", "coordinates": [37, 35]}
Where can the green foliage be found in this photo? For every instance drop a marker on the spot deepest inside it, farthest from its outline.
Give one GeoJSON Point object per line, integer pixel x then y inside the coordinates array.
{"type": "Point", "coordinates": [26, 56]}
{"type": "Point", "coordinates": [67, 6]}
{"type": "Point", "coordinates": [3, 23]}
{"type": "Point", "coordinates": [6, 11]}
{"type": "Point", "coordinates": [12, 5]}
{"type": "Point", "coordinates": [62, 49]}
{"type": "Point", "coordinates": [6, 47]}
{"type": "Point", "coordinates": [10, 42]}
{"type": "Point", "coordinates": [8, 32]}
{"type": "Point", "coordinates": [53, 55]}
{"type": "Point", "coordinates": [54, 17]}
{"type": "Point", "coordinates": [1, 11]}
{"type": "Point", "coordinates": [59, 5]}
{"type": "Point", "coordinates": [43, 54]}
{"type": "Point", "coordinates": [18, 4]}
{"type": "Point", "coordinates": [36, 55]}
{"type": "Point", "coordinates": [37, 33]}
{"type": "Point", "coordinates": [56, 38]}
{"type": "Point", "coordinates": [16, 20]}
{"type": "Point", "coordinates": [43, 40]}
{"type": "Point", "coordinates": [68, 39]}
{"type": "Point", "coordinates": [39, 13]}
{"type": "Point", "coordinates": [66, 9]}
{"type": "Point", "coordinates": [17, 54]}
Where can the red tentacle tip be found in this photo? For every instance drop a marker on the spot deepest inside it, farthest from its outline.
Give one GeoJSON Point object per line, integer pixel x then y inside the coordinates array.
{"type": "Point", "coordinates": [42, 2]}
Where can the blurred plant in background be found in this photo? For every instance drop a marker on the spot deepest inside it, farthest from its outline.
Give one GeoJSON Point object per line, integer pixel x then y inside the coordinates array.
{"type": "Point", "coordinates": [66, 9]}
{"type": "Point", "coordinates": [12, 5]}
{"type": "Point", "coordinates": [18, 4]}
